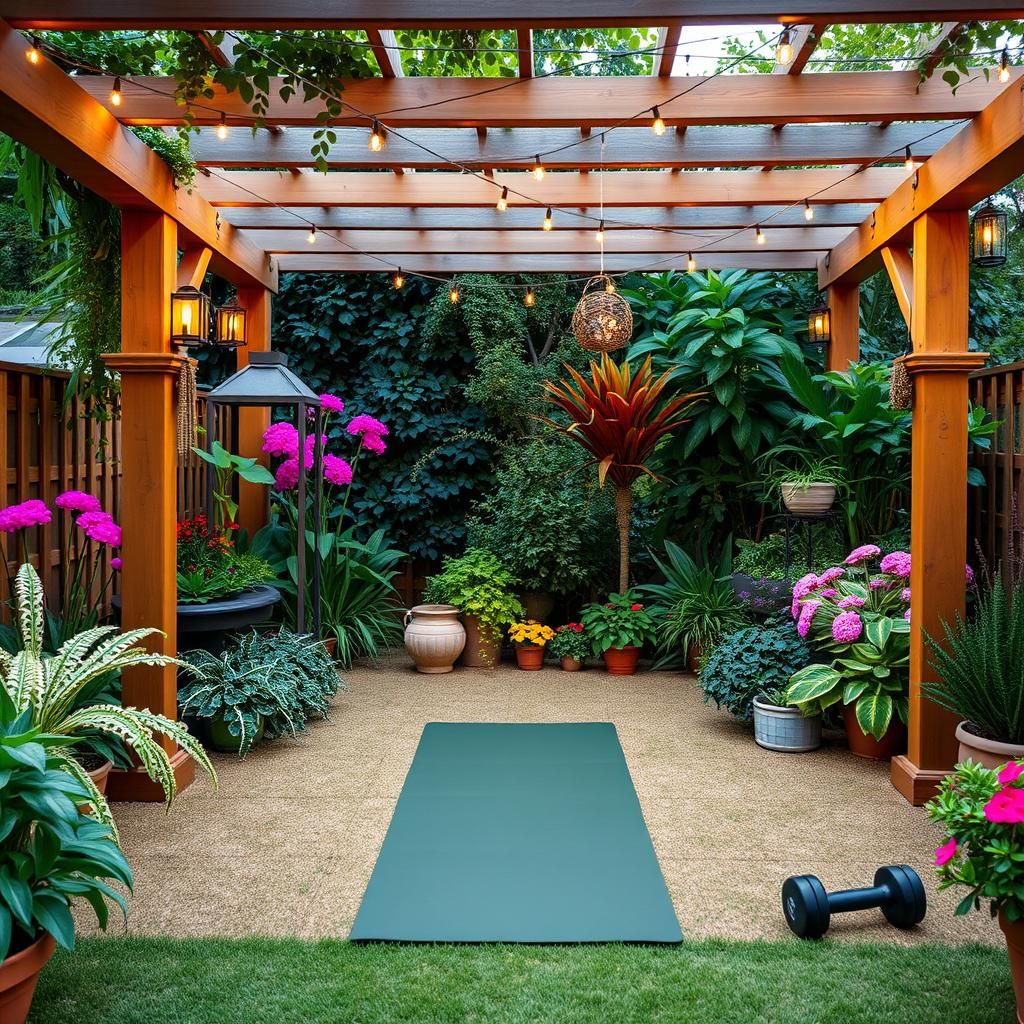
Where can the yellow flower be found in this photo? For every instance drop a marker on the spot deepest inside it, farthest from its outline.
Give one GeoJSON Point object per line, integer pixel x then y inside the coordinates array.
{"type": "Point", "coordinates": [530, 632]}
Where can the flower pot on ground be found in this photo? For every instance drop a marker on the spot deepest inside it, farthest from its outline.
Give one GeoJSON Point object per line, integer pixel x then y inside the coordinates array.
{"type": "Point", "coordinates": [18, 977]}
{"type": "Point", "coordinates": [220, 737]}
{"type": "Point", "coordinates": [571, 645]}
{"type": "Point", "coordinates": [434, 637]}
{"type": "Point", "coordinates": [780, 727]}
{"type": "Point", "coordinates": [570, 664]}
{"type": "Point", "coordinates": [530, 658]}
{"type": "Point", "coordinates": [483, 649]}
{"type": "Point", "coordinates": [618, 629]}
{"type": "Point", "coordinates": [893, 740]}
{"type": "Point", "coordinates": [530, 638]}
{"type": "Point", "coordinates": [621, 661]}
{"type": "Point", "coordinates": [990, 753]}
{"type": "Point", "coordinates": [1013, 931]}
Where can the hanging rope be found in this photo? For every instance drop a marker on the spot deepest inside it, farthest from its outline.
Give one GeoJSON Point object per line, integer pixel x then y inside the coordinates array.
{"type": "Point", "coordinates": [186, 412]}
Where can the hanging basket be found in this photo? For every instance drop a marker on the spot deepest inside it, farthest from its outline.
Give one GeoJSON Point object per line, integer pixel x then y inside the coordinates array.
{"type": "Point", "coordinates": [901, 387]}
{"type": "Point", "coordinates": [602, 320]}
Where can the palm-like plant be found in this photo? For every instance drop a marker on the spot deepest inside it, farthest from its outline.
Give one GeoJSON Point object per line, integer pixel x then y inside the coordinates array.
{"type": "Point", "coordinates": [618, 416]}
{"type": "Point", "coordinates": [50, 687]}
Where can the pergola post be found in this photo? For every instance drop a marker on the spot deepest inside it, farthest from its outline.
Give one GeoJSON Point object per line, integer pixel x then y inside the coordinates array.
{"type": "Point", "coordinates": [844, 306]}
{"type": "Point", "coordinates": [253, 499]}
{"type": "Point", "coordinates": [938, 365]}
{"type": "Point", "coordinates": [149, 369]}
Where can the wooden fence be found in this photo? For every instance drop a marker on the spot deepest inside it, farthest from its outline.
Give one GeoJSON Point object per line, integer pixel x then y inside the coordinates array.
{"type": "Point", "coordinates": [994, 515]}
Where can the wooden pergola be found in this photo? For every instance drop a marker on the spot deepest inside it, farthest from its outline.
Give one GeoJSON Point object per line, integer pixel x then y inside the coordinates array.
{"type": "Point", "coordinates": [742, 156]}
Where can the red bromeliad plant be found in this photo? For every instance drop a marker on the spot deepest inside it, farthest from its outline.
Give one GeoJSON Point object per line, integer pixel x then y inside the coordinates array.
{"type": "Point", "coordinates": [619, 417]}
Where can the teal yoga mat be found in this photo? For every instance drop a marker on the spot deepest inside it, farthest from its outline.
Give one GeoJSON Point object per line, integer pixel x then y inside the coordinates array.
{"type": "Point", "coordinates": [517, 833]}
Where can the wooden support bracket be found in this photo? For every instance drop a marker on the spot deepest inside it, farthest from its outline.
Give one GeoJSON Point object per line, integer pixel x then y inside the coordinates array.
{"type": "Point", "coordinates": [899, 265]}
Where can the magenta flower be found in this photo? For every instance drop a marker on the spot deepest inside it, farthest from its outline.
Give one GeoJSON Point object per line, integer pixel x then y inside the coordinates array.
{"type": "Point", "coordinates": [905, 594]}
{"type": "Point", "coordinates": [896, 563]}
{"type": "Point", "coordinates": [287, 475]}
{"type": "Point", "coordinates": [337, 470]}
{"type": "Point", "coordinates": [1011, 772]}
{"type": "Point", "coordinates": [852, 601]}
{"type": "Point", "coordinates": [946, 852]}
{"type": "Point", "coordinates": [1006, 807]}
{"type": "Point", "coordinates": [374, 443]}
{"type": "Point", "coordinates": [77, 501]}
{"type": "Point", "coordinates": [862, 554]}
{"type": "Point", "coordinates": [332, 403]}
{"type": "Point", "coordinates": [115, 564]}
{"type": "Point", "coordinates": [970, 574]}
{"type": "Point", "coordinates": [846, 627]}
{"type": "Point", "coordinates": [27, 514]}
{"type": "Point", "coordinates": [107, 532]}
{"type": "Point", "coordinates": [829, 592]}
{"type": "Point", "coordinates": [307, 449]}
{"type": "Point", "coordinates": [366, 425]}
{"type": "Point", "coordinates": [281, 439]}
{"type": "Point", "coordinates": [878, 583]}
{"type": "Point", "coordinates": [832, 574]}
{"type": "Point", "coordinates": [807, 610]}
{"type": "Point", "coordinates": [87, 520]}
{"type": "Point", "coordinates": [906, 615]}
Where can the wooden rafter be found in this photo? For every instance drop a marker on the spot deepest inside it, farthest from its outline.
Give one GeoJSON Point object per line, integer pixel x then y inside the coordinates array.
{"type": "Point", "coordinates": [524, 43]}
{"type": "Point", "coordinates": [668, 46]}
{"type": "Point", "coordinates": [939, 43]}
{"type": "Point", "coordinates": [216, 50]}
{"type": "Point", "coordinates": [389, 59]}
{"type": "Point", "coordinates": [573, 102]}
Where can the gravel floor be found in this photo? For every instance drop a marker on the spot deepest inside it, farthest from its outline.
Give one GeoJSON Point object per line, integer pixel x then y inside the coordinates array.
{"type": "Point", "coordinates": [287, 843]}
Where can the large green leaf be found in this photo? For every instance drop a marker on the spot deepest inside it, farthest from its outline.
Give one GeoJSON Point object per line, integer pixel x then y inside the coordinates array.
{"type": "Point", "coordinates": [874, 713]}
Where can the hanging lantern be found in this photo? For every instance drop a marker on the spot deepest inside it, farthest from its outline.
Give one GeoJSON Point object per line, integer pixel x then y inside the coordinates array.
{"type": "Point", "coordinates": [602, 320]}
{"type": "Point", "coordinates": [190, 317]}
{"type": "Point", "coordinates": [819, 325]}
{"type": "Point", "coordinates": [231, 326]}
{"type": "Point", "coordinates": [988, 237]}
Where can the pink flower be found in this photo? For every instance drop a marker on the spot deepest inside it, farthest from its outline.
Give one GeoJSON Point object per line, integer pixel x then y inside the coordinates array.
{"type": "Point", "coordinates": [307, 449]}
{"type": "Point", "coordinates": [852, 601]}
{"type": "Point", "coordinates": [19, 517]}
{"type": "Point", "coordinates": [905, 594]}
{"type": "Point", "coordinates": [807, 610]}
{"type": "Point", "coordinates": [106, 532]}
{"type": "Point", "coordinates": [881, 584]}
{"type": "Point", "coordinates": [115, 564]}
{"type": "Point", "coordinates": [831, 575]}
{"type": "Point", "coordinates": [1011, 772]}
{"type": "Point", "coordinates": [846, 627]}
{"type": "Point", "coordinates": [374, 443]}
{"type": "Point", "coordinates": [946, 852]}
{"type": "Point", "coordinates": [366, 425]}
{"type": "Point", "coordinates": [281, 439]}
{"type": "Point", "coordinates": [896, 563]}
{"type": "Point", "coordinates": [970, 574]}
{"type": "Point", "coordinates": [829, 592]}
{"type": "Point", "coordinates": [332, 403]}
{"type": "Point", "coordinates": [287, 476]}
{"type": "Point", "coordinates": [801, 589]}
{"type": "Point", "coordinates": [87, 520]}
{"type": "Point", "coordinates": [1006, 807]}
{"type": "Point", "coordinates": [862, 554]}
{"type": "Point", "coordinates": [906, 615]}
{"type": "Point", "coordinates": [77, 501]}
{"type": "Point", "coordinates": [337, 470]}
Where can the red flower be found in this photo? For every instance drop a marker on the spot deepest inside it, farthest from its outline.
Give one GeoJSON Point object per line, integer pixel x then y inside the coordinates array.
{"type": "Point", "coordinates": [636, 607]}
{"type": "Point", "coordinates": [578, 627]}
{"type": "Point", "coordinates": [609, 605]}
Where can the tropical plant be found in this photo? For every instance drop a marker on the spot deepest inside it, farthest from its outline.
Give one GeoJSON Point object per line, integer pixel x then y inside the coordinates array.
{"type": "Point", "coordinates": [980, 663]}
{"type": "Point", "coordinates": [278, 680]}
{"type": "Point", "coordinates": [478, 584]}
{"type": "Point", "coordinates": [530, 633]}
{"type": "Point", "coordinates": [209, 564]}
{"type": "Point", "coordinates": [571, 641]}
{"type": "Point", "coordinates": [618, 418]}
{"type": "Point", "coordinates": [225, 467]}
{"type": "Point", "coordinates": [50, 853]}
{"type": "Point", "coordinates": [754, 661]}
{"type": "Point", "coordinates": [622, 621]}
{"type": "Point", "coordinates": [51, 687]}
{"type": "Point", "coordinates": [980, 812]}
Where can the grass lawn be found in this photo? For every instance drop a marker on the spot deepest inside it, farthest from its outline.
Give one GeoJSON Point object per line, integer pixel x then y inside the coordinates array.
{"type": "Point", "coordinates": [287, 981]}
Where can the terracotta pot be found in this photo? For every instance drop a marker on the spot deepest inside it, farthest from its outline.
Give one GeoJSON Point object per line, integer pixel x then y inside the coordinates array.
{"type": "Point", "coordinates": [570, 664]}
{"type": "Point", "coordinates": [538, 605]}
{"type": "Point", "coordinates": [990, 753]}
{"type": "Point", "coordinates": [18, 977]}
{"type": "Point", "coordinates": [434, 637]}
{"type": "Point", "coordinates": [808, 499]}
{"type": "Point", "coordinates": [892, 743]}
{"type": "Point", "coordinates": [621, 661]}
{"type": "Point", "coordinates": [100, 775]}
{"type": "Point", "coordinates": [530, 657]}
{"type": "Point", "coordinates": [478, 652]}
{"type": "Point", "coordinates": [330, 645]}
{"type": "Point", "coordinates": [1014, 932]}
{"type": "Point", "coordinates": [693, 656]}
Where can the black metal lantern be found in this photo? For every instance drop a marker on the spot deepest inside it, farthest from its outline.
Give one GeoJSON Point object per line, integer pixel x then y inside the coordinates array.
{"type": "Point", "coordinates": [819, 325]}
{"type": "Point", "coordinates": [988, 237]}
{"type": "Point", "coordinates": [190, 317]}
{"type": "Point", "coordinates": [231, 322]}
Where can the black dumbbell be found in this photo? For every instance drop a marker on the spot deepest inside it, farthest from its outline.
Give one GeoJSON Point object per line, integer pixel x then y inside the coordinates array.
{"type": "Point", "coordinates": [898, 892]}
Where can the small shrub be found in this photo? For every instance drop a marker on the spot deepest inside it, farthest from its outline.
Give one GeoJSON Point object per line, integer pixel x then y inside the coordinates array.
{"type": "Point", "coordinates": [755, 660]}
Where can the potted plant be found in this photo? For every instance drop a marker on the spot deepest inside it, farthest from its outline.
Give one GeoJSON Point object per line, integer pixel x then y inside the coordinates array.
{"type": "Point", "coordinates": [780, 726]}
{"type": "Point", "coordinates": [981, 812]}
{"type": "Point", "coordinates": [981, 675]}
{"type": "Point", "coordinates": [529, 638]}
{"type": "Point", "coordinates": [617, 630]}
{"type": "Point", "coordinates": [480, 586]}
{"type": "Point", "coordinates": [861, 622]}
{"type": "Point", "coordinates": [50, 853]}
{"type": "Point", "coordinates": [571, 645]}
{"type": "Point", "coordinates": [809, 489]}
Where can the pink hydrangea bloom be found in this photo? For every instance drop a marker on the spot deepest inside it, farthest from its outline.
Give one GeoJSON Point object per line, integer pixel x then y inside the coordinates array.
{"type": "Point", "coordinates": [1011, 772]}
{"type": "Point", "coordinates": [366, 425]}
{"type": "Point", "coordinates": [878, 583]}
{"type": "Point", "coordinates": [807, 610]}
{"type": "Point", "coordinates": [115, 564]}
{"type": "Point", "coordinates": [29, 513]}
{"type": "Point", "coordinates": [832, 574]}
{"type": "Point", "coordinates": [801, 589]}
{"type": "Point", "coordinates": [905, 594]}
{"type": "Point", "coordinates": [829, 592]}
{"type": "Point", "coordinates": [337, 471]}
{"type": "Point", "coordinates": [287, 475]}
{"type": "Point", "coordinates": [77, 501]}
{"type": "Point", "coordinates": [332, 403]}
{"type": "Point", "coordinates": [1006, 807]}
{"type": "Point", "coordinates": [851, 601]}
{"type": "Point", "coordinates": [846, 627]}
{"type": "Point", "coordinates": [946, 852]}
{"type": "Point", "coordinates": [896, 563]}
{"type": "Point", "coordinates": [374, 443]}
{"type": "Point", "coordinates": [862, 554]}
{"type": "Point", "coordinates": [281, 439]}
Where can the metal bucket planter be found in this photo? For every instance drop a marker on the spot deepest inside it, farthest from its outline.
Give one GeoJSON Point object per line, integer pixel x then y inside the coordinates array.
{"type": "Point", "coordinates": [777, 728]}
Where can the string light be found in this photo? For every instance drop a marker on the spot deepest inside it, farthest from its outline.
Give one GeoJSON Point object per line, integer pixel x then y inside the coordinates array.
{"type": "Point", "coordinates": [808, 210]}
{"type": "Point", "coordinates": [599, 233]}
{"type": "Point", "coordinates": [376, 143]}
{"type": "Point", "coordinates": [502, 204]}
{"type": "Point", "coordinates": [659, 125]}
{"type": "Point", "coordinates": [691, 263]}
{"type": "Point", "coordinates": [784, 53]}
{"type": "Point", "coordinates": [453, 293]}
{"type": "Point", "coordinates": [115, 93]}
{"type": "Point", "coordinates": [909, 162]}
{"type": "Point", "coordinates": [32, 54]}
{"type": "Point", "coordinates": [311, 237]}
{"type": "Point", "coordinates": [528, 298]}
{"type": "Point", "coordinates": [547, 220]}
{"type": "Point", "coordinates": [398, 281]}
{"type": "Point", "coordinates": [538, 169]}
{"type": "Point", "coordinates": [222, 128]}
{"type": "Point", "coordinates": [1004, 67]}
{"type": "Point", "coordinates": [759, 236]}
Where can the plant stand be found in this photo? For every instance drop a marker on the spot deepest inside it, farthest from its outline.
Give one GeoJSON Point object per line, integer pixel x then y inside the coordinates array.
{"type": "Point", "coordinates": [794, 525]}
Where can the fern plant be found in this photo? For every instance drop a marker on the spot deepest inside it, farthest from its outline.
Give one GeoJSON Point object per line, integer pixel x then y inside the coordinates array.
{"type": "Point", "coordinates": [50, 687]}
{"type": "Point", "coordinates": [980, 664]}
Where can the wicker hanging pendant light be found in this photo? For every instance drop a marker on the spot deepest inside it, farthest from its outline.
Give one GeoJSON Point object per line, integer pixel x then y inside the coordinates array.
{"type": "Point", "coordinates": [602, 320]}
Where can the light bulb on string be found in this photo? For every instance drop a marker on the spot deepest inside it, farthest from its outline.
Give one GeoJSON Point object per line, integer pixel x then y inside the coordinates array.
{"type": "Point", "coordinates": [115, 93]}
{"type": "Point", "coordinates": [759, 236]}
{"type": "Point", "coordinates": [548, 223]}
{"type": "Point", "coordinates": [33, 54]}
{"type": "Point", "coordinates": [222, 128]}
{"type": "Point", "coordinates": [538, 169]}
{"type": "Point", "coordinates": [691, 263]}
{"type": "Point", "coordinates": [1004, 67]}
{"type": "Point", "coordinates": [658, 127]}
{"type": "Point", "coordinates": [502, 204]}
{"type": "Point", "coordinates": [908, 163]}
{"type": "Point", "coordinates": [599, 233]}
{"type": "Point", "coordinates": [311, 237]}
{"type": "Point", "coordinates": [784, 52]}
{"type": "Point", "coordinates": [808, 210]}
{"type": "Point", "coordinates": [376, 140]}
{"type": "Point", "coordinates": [398, 280]}
{"type": "Point", "coordinates": [529, 298]}
{"type": "Point", "coordinates": [453, 293]}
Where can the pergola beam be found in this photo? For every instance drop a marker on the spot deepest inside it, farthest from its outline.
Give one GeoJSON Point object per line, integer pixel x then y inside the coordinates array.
{"type": "Point", "coordinates": [702, 146]}
{"type": "Point", "coordinates": [668, 47]}
{"type": "Point", "coordinates": [126, 14]}
{"type": "Point", "coordinates": [524, 42]}
{"type": "Point", "coordinates": [389, 59]}
{"type": "Point", "coordinates": [940, 43]}
{"type": "Point", "coordinates": [589, 102]}
{"type": "Point", "coordinates": [44, 109]}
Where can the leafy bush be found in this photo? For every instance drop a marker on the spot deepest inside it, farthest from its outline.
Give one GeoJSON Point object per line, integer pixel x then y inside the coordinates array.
{"type": "Point", "coordinates": [766, 559]}
{"type": "Point", "coordinates": [210, 566]}
{"type": "Point", "coordinates": [752, 661]}
{"type": "Point", "coordinates": [622, 621]}
{"type": "Point", "coordinates": [571, 641]}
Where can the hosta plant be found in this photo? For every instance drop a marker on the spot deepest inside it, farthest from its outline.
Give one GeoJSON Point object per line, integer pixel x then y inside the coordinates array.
{"type": "Point", "coordinates": [622, 621]}
{"type": "Point", "coordinates": [50, 853]}
{"type": "Point", "coordinates": [51, 687]}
